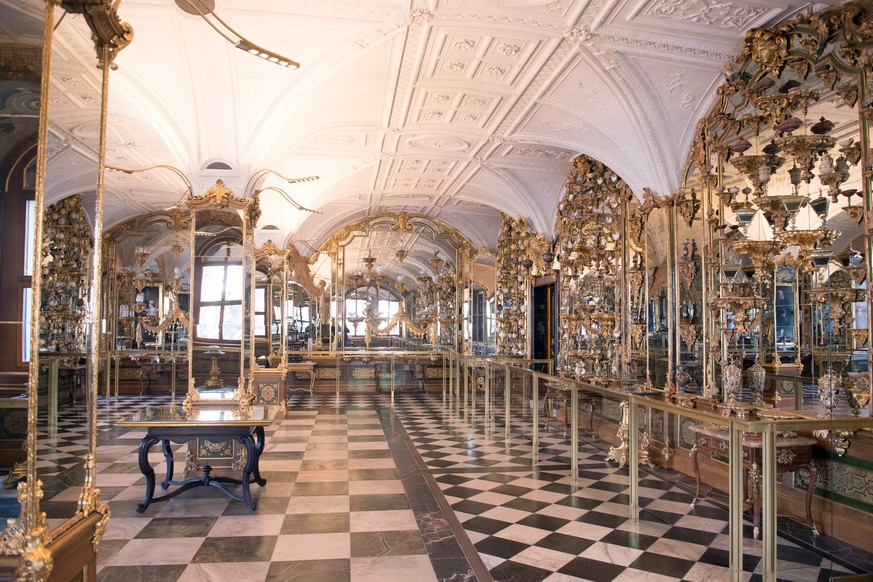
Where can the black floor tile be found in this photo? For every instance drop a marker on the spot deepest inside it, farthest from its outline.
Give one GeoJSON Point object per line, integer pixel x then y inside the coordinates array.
{"type": "Point", "coordinates": [629, 539]}
{"type": "Point", "coordinates": [309, 571]}
{"type": "Point", "coordinates": [386, 543]}
{"type": "Point", "coordinates": [485, 525]}
{"type": "Point", "coordinates": [515, 572]}
{"type": "Point", "coordinates": [529, 505]}
{"type": "Point", "coordinates": [663, 565]}
{"type": "Point", "coordinates": [592, 570]}
{"type": "Point", "coordinates": [545, 522]}
{"type": "Point", "coordinates": [235, 549]}
{"type": "Point", "coordinates": [500, 547]}
{"type": "Point", "coordinates": [564, 543]}
{"type": "Point", "coordinates": [143, 573]}
{"type": "Point", "coordinates": [380, 502]}
{"type": "Point", "coordinates": [310, 523]}
{"type": "Point", "coordinates": [691, 536]}
{"type": "Point", "coordinates": [602, 519]}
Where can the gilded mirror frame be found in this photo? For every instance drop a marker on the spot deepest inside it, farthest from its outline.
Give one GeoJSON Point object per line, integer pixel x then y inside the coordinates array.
{"type": "Point", "coordinates": [335, 248]}
{"type": "Point", "coordinates": [27, 545]}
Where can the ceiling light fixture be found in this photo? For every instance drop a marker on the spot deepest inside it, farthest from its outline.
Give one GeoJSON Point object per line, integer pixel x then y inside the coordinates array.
{"type": "Point", "coordinates": [204, 9]}
{"type": "Point", "coordinates": [287, 198]}
{"type": "Point", "coordinates": [253, 181]}
{"type": "Point", "coordinates": [189, 189]}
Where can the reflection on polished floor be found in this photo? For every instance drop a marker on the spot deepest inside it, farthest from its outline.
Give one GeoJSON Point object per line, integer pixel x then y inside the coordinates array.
{"type": "Point", "coordinates": [358, 490]}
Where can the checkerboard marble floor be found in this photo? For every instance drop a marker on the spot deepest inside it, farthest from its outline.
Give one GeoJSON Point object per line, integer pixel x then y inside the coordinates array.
{"type": "Point", "coordinates": [426, 489]}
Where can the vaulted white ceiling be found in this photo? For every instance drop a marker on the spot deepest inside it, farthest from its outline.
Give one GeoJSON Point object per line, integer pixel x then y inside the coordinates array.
{"type": "Point", "coordinates": [456, 109]}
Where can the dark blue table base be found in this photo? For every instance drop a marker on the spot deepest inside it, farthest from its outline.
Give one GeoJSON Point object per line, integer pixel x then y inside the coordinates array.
{"type": "Point", "coordinates": [252, 438]}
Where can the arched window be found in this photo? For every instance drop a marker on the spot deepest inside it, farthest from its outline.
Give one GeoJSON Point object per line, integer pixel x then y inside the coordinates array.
{"type": "Point", "coordinates": [221, 294]}
{"type": "Point", "coordinates": [17, 229]}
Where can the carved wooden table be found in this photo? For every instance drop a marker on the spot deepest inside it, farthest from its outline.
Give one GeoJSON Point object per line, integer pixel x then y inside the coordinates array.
{"type": "Point", "coordinates": [792, 453]}
{"type": "Point", "coordinates": [153, 370]}
{"type": "Point", "coordinates": [307, 367]}
{"type": "Point", "coordinates": [558, 396]}
{"type": "Point", "coordinates": [167, 424]}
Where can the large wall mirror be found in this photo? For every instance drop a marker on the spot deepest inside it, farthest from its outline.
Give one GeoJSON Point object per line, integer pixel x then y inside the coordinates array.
{"type": "Point", "coordinates": [480, 305]}
{"type": "Point", "coordinates": [223, 299]}
{"type": "Point", "coordinates": [396, 279]}
{"type": "Point", "coordinates": [58, 497]}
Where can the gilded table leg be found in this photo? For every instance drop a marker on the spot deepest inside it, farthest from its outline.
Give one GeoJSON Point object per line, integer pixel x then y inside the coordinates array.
{"type": "Point", "coordinates": [695, 463]}
{"type": "Point", "coordinates": [810, 491]}
{"type": "Point", "coordinates": [755, 482]}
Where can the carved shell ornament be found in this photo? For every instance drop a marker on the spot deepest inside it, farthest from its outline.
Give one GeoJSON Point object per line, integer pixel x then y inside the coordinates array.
{"type": "Point", "coordinates": [767, 48]}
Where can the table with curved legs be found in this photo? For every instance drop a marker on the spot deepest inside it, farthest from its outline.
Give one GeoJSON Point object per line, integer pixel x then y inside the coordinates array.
{"type": "Point", "coordinates": [173, 424]}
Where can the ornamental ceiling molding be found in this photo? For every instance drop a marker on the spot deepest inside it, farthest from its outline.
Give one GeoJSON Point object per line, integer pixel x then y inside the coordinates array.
{"type": "Point", "coordinates": [497, 19]}
{"type": "Point", "coordinates": [582, 114]}
{"type": "Point", "coordinates": [465, 87]}
{"type": "Point", "coordinates": [405, 89]}
{"type": "Point", "coordinates": [649, 120]}
{"type": "Point", "coordinates": [270, 129]}
{"type": "Point", "coordinates": [530, 201]}
{"type": "Point", "coordinates": [718, 13]}
{"type": "Point", "coordinates": [538, 153]}
{"type": "Point", "coordinates": [561, 56]}
{"type": "Point", "coordinates": [646, 43]}
{"type": "Point", "coordinates": [592, 11]}
{"type": "Point", "coordinates": [169, 126]}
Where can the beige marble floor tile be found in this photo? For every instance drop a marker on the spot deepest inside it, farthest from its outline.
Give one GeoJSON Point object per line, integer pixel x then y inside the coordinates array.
{"type": "Point", "coordinates": [523, 533]}
{"type": "Point", "coordinates": [701, 572]}
{"type": "Point", "coordinates": [124, 528]}
{"type": "Point", "coordinates": [368, 446]}
{"type": "Point", "coordinates": [123, 479]}
{"type": "Point", "coordinates": [388, 520]}
{"type": "Point", "coordinates": [247, 525]}
{"type": "Point", "coordinates": [318, 504]}
{"type": "Point", "coordinates": [323, 475]}
{"type": "Point", "coordinates": [273, 489]}
{"type": "Point", "coordinates": [188, 505]}
{"type": "Point", "coordinates": [584, 530]}
{"type": "Point", "coordinates": [611, 553]}
{"type": "Point", "coordinates": [156, 551]}
{"type": "Point", "coordinates": [312, 547]}
{"type": "Point", "coordinates": [678, 549]}
{"type": "Point", "coordinates": [375, 486]}
{"type": "Point", "coordinates": [278, 465]}
{"type": "Point", "coordinates": [221, 572]}
{"type": "Point", "coordinates": [392, 569]}
{"type": "Point", "coordinates": [543, 558]}
{"type": "Point", "coordinates": [325, 454]}
{"type": "Point", "coordinates": [386, 463]}
{"type": "Point", "coordinates": [506, 514]}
